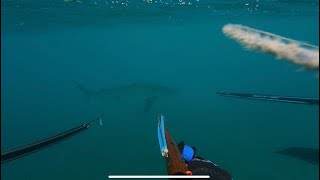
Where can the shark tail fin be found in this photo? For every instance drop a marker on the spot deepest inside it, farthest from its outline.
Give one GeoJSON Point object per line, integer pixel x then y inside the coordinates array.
{"type": "Point", "coordinates": [83, 89]}
{"type": "Point", "coordinates": [89, 94]}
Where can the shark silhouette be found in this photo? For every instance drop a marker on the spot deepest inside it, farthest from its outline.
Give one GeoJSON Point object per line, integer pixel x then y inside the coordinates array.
{"type": "Point", "coordinates": [310, 155]}
{"type": "Point", "coordinates": [148, 91]}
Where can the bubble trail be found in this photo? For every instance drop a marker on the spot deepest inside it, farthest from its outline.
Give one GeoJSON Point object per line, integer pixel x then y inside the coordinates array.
{"type": "Point", "coordinates": [300, 53]}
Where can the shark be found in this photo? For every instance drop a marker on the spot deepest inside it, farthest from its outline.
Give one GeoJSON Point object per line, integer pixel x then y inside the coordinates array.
{"type": "Point", "coordinates": [310, 155]}
{"type": "Point", "coordinates": [149, 92]}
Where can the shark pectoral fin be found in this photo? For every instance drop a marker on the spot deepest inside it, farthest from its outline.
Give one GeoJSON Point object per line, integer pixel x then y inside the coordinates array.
{"type": "Point", "coordinates": [148, 103]}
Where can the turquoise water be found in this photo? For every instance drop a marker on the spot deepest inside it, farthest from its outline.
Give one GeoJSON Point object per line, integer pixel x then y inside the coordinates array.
{"type": "Point", "coordinates": [47, 46]}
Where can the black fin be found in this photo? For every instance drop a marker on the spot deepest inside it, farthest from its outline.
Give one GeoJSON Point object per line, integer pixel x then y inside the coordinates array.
{"type": "Point", "coordinates": [148, 103]}
{"type": "Point", "coordinates": [306, 154]}
{"type": "Point", "coordinates": [84, 89]}
{"type": "Point", "coordinates": [89, 94]}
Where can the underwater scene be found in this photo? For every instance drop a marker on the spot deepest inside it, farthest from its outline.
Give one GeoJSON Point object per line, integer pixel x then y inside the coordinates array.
{"type": "Point", "coordinates": [83, 83]}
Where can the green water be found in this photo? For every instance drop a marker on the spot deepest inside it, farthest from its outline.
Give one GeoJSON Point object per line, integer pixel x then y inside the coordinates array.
{"type": "Point", "coordinates": [48, 46]}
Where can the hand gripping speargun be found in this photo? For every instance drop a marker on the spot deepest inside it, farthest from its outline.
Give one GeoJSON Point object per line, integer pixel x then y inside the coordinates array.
{"type": "Point", "coordinates": [169, 150]}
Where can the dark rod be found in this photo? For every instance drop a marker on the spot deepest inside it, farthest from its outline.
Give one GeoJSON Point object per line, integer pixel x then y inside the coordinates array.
{"type": "Point", "coordinates": [33, 147]}
{"type": "Point", "coordinates": [295, 100]}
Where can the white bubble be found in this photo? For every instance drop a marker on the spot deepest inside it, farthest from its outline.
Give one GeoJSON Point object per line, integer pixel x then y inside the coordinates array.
{"type": "Point", "coordinates": [282, 48]}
